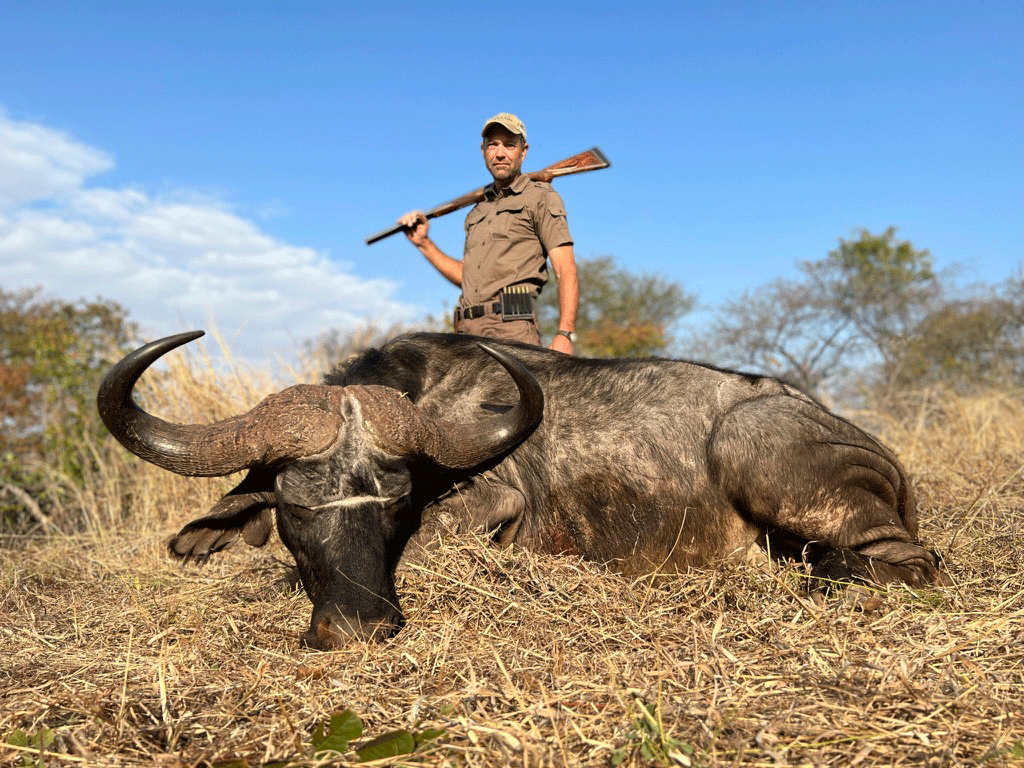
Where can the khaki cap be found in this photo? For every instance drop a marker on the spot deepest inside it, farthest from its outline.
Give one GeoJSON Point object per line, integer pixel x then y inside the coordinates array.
{"type": "Point", "coordinates": [506, 120]}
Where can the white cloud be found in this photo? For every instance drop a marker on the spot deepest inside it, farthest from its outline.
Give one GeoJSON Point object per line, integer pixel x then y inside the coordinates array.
{"type": "Point", "coordinates": [39, 163]}
{"type": "Point", "coordinates": [174, 265]}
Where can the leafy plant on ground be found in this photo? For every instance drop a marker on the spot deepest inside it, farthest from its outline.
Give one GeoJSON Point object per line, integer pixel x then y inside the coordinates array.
{"type": "Point", "coordinates": [38, 742]}
{"type": "Point", "coordinates": [333, 737]}
{"type": "Point", "coordinates": [1017, 751]}
{"type": "Point", "coordinates": [647, 740]}
{"type": "Point", "coordinates": [335, 734]}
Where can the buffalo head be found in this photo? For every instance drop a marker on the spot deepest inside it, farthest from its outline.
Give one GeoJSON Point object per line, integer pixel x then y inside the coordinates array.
{"type": "Point", "coordinates": [336, 464]}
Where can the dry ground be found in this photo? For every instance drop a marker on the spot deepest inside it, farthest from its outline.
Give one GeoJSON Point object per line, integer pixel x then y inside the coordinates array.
{"type": "Point", "coordinates": [120, 656]}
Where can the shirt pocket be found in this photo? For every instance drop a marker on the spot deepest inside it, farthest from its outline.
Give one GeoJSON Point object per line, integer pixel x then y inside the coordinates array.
{"type": "Point", "coordinates": [508, 222]}
{"type": "Point", "coordinates": [474, 227]}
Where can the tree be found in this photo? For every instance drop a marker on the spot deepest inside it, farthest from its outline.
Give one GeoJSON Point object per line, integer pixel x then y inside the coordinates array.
{"type": "Point", "coordinates": [851, 312]}
{"type": "Point", "coordinates": [621, 314]}
{"type": "Point", "coordinates": [882, 289]}
{"type": "Point", "coordinates": [786, 328]}
{"type": "Point", "coordinates": [968, 343]}
{"type": "Point", "coordinates": [52, 355]}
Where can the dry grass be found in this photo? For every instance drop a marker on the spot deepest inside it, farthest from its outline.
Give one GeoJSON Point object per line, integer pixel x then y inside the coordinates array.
{"type": "Point", "coordinates": [127, 658]}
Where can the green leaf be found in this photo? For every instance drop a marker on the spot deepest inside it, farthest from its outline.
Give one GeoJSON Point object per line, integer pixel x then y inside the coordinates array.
{"type": "Point", "coordinates": [18, 738]}
{"type": "Point", "coordinates": [40, 740]}
{"type": "Point", "coordinates": [44, 738]}
{"type": "Point", "coordinates": [335, 735]}
{"type": "Point", "coordinates": [390, 744]}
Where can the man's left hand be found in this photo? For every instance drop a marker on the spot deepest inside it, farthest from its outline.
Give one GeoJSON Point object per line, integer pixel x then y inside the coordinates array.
{"type": "Point", "coordinates": [561, 344]}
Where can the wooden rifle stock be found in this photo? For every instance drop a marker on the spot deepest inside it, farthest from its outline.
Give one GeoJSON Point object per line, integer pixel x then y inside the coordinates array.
{"type": "Point", "coordinates": [591, 160]}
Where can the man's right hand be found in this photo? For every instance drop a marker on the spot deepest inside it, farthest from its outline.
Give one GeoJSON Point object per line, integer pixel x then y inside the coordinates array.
{"type": "Point", "coordinates": [416, 226]}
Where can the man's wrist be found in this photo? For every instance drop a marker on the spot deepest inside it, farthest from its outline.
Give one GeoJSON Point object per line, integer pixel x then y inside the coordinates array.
{"type": "Point", "coordinates": [570, 335]}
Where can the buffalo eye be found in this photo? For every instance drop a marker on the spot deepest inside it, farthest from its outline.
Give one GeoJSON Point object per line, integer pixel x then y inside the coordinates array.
{"type": "Point", "coordinates": [301, 514]}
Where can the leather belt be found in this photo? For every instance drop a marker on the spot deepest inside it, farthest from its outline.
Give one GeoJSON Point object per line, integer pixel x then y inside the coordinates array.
{"type": "Point", "coordinates": [471, 313]}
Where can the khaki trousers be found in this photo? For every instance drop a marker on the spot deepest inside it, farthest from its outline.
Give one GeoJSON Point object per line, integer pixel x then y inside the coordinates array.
{"type": "Point", "coordinates": [493, 327]}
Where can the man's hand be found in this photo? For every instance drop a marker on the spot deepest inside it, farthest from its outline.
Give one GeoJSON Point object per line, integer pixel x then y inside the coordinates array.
{"type": "Point", "coordinates": [416, 227]}
{"type": "Point", "coordinates": [561, 344]}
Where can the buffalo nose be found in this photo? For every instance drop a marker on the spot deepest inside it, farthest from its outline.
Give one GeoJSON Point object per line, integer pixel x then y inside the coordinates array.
{"type": "Point", "coordinates": [332, 628]}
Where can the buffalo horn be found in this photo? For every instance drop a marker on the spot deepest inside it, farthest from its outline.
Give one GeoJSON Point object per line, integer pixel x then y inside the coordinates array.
{"type": "Point", "coordinates": [305, 420]}
{"type": "Point", "coordinates": [402, 429]}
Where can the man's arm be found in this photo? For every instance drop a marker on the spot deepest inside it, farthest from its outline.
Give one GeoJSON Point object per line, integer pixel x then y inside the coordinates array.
{"type": "Point", "coordinates": [564, 264]}
{"type": "Point", "coordinates": [416, 228]}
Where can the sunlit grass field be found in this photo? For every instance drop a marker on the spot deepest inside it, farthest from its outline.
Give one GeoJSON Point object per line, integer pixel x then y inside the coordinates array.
{"type": "Point", "coordinates": [113, 654]}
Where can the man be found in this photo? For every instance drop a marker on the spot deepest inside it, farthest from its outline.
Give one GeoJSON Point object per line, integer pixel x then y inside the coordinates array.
{"type": "Point", "coordinates": [510, 237]}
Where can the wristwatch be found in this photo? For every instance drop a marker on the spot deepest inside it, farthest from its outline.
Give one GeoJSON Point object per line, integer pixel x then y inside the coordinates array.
{"type": "Point", "coordinates": [570, 335]}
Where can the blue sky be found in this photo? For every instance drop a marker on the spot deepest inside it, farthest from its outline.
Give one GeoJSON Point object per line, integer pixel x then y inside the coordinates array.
{"type": "Point", "coordinates": [227, 160]}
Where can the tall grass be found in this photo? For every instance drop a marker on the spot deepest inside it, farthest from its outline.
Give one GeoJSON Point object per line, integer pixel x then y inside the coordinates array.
{"type": "Point", "coordinates": [965, 451]}
{"type": "Point", "coordinates": [117, 491]}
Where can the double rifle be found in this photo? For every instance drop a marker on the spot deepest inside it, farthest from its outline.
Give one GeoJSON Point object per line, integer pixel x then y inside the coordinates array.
{"type": "Point", "coordinates": [591, 160]}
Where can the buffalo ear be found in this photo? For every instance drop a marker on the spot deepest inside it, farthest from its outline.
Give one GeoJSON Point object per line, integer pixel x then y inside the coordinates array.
{"type": "Point", "coordinates": [249, 515]}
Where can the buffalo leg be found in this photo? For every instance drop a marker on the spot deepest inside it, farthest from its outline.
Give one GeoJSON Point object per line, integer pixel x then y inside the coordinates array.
{"type": "Point", "coordinates": [790, 465]}
{"type": "Point", "coordinates": [246, 511]}
{"type": "Point", "coordinates": [476, 507]}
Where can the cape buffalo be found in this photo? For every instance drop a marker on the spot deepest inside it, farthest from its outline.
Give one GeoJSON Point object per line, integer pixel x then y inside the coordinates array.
{"type": "Point", "coordinates": [644, 465]}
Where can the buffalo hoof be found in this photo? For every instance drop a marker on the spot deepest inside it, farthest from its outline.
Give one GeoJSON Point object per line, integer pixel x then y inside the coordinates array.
{"type": "Point", "coordinates": [249, 515]}
{"type": "Point", "coordinates": [907, 563]}
{"type": "Point", "coordinates": [332, 629]}
{"type": "Point", "coordinates": [197, 544]}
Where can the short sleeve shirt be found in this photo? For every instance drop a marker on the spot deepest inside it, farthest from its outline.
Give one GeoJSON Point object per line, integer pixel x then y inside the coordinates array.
{"type": "Point", "coordinates": [508, 237]}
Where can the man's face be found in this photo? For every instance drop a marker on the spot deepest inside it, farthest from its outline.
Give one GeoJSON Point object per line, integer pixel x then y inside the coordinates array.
{"type": "Point", "coordinates": [503, 153]}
